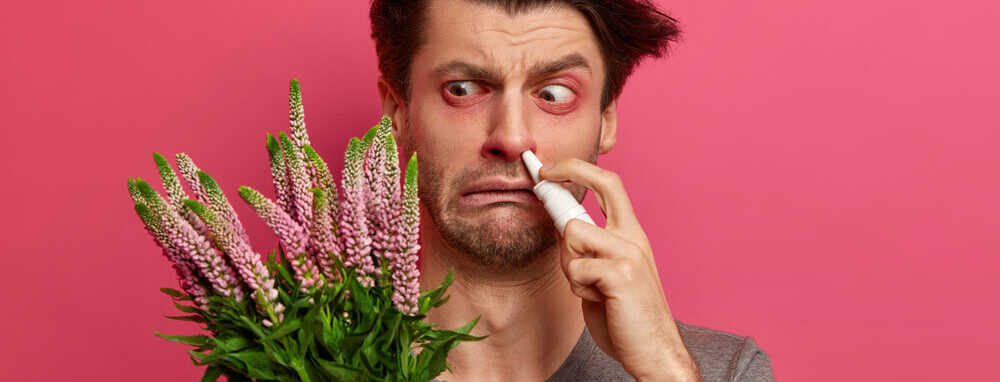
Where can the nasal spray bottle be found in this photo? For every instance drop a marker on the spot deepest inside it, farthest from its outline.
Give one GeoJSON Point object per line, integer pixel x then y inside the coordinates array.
{"type": "Point", "coordinates": [558, 201]}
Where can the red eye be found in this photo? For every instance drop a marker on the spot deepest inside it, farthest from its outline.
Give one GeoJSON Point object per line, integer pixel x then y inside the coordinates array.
{"type": "Point", "coordinates": [556, 93]}
{"type": "Point", "coordinates": [556, 99]}
{"type": "Point", "coordinates": [460, 93]}
{"type": "Point", "coordinates": [462, 88]}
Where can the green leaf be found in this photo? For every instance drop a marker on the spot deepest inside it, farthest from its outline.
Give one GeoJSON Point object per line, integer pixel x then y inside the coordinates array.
{"type": "Point", "coordinates": [360, 297]}
{"type": "Point", "coordinates": [172, 292]}
{"type": "Point", "coordinates": [212, 373]}
{"type": "Point", "coordinates": [198, 340]}
{"type": "Point", "coordinates": [404, 353]}
{"type": "Point", "coordinates": [437, 363]}
{"type": "Point", "coordinates": [233, 343]}
{"type": "Point", "coordinates": [339, 372]}
{"type": "Point", "coordinates": [258, 364]}
{"type": "Point", "coordinates": [393, 329]}
{"type": "Point", "coordinates": [187, 309]}
{"type": "Point", "coordinates": [305, 338]}
{"type": "Point", "coordinates": [192, 318]}
{"type": "Point", "coordinates": [286, 326]}
{"type": "Point", "coordinates": [197, 357]}
{"type": "Point", "coordinates": [432, 297]}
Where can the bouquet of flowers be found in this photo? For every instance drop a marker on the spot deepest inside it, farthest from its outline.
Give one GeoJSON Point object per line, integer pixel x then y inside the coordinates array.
{"type": "Point", "coordinates": [338, 300]}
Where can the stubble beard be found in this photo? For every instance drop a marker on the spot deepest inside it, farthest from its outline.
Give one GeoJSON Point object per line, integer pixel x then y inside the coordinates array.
{"type": "Point", "coordinates": [498, 244]}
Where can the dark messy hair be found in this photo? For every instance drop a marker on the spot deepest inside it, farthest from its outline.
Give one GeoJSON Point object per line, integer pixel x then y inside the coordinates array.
{"type": "Point", "coordinates": [627, 30]}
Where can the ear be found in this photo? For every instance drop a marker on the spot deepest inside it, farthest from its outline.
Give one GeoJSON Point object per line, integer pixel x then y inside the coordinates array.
{"type": "Point", "coordinates": [392, 104]}
{"type": "Point", "coordinates": [609, 127]}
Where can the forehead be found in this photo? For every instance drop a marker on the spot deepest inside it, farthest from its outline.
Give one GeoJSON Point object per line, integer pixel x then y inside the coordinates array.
{"type": "Point", "coordinates": [488, 36]}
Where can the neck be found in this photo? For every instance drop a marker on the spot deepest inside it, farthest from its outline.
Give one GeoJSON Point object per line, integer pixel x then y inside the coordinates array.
{"type": "Point", "coordinates": [532, 318]}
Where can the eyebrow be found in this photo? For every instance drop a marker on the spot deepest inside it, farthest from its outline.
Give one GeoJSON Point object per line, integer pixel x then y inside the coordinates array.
{"type": "Point", "coordinates": [465, 69]}
{"type": "Point", "coordinates": [570, 61]}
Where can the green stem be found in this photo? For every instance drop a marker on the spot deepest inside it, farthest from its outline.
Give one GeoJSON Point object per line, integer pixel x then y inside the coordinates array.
{"type": "Point", "coordinates": [303, 375]}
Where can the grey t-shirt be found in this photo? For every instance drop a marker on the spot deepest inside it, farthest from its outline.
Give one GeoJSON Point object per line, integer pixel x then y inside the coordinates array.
{"type": "Point", "coordinates": [720, 356]}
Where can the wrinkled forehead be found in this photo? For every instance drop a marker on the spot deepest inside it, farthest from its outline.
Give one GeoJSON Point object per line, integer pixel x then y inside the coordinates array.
{"type": "Point", "coordinates": [511, 44]}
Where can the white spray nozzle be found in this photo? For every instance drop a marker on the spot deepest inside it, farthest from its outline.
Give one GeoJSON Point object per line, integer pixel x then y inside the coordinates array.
{"type": "Point", "coordinates": [558, 201]}
{"type": "Point", "coordinates": [533, 164]}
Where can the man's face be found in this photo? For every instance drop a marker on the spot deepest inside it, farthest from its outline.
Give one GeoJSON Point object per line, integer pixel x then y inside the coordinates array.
{"type": "Point", "coordinates": [485, 86]}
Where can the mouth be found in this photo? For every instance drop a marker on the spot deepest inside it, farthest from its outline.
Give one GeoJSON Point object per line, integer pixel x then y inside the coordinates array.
{"type": "Point", "coordinates": [498, 191]}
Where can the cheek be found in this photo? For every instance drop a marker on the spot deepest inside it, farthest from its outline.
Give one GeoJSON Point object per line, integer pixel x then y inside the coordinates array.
{"type": "Point", "coordinates": [573, 135]}
{"type": "Point", "coordinates": [444, 139]}
{"type": "Point", "coordinates": [448, 129]}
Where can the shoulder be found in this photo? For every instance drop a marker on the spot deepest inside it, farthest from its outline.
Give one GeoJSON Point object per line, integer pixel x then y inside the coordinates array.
{"type": "Point", "coordinates": [724, 356]}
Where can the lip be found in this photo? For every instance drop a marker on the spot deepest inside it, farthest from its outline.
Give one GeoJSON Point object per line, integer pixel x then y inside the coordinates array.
{"type": "Point", "coordinates": [498, 191]}
{"type": "Point", "coordinates": [499, 185]}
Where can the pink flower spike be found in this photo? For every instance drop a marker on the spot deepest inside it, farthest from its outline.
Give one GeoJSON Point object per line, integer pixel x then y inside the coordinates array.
{"type": "Point", "coordinates": [353, 221]}
{"type": "Point", "coordinates": [378, 199]}
{"type": "Point", "coordinates": [405, 275]}
{"type": "Point", "coordinates": [279, 171]}
{"type": "Point", "coordinates": [247, 262]}
{"type": "Point", "coordinates": [293, 237]}
{"type": "Point", "coordinates": [187, 272]}
{"type": "Point", "coordinates": [297, 115]}
{"type": "Point", "coordinates": [195, 247]}
{"type": "Point", "coordinates": [322, 242]}
{"type": "Point", "coordinates": [300, 182]}
{"type": "Point", "coordinates": [189, 171]}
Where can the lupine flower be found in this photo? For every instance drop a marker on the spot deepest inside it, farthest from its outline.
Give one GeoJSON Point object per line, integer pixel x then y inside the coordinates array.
{"type": "Point", "coordinates": [220, 205]}
{"type": "Point", "coordinates": [378, 198]}
{"type": "Point", "coordinates": [187, 272]}
{"type": "Point", "coordinates": [299, 182]}
{"type": "Point", "coordinates": [190, 174]}
{"type": "Point", "coordinates": [322, 242]}
{"type": "Point", "coordinates": [292, 235]}
{"type": "Point", "coordinates": [181, 235]}
{"type": "Point", "coordinates": [405, 275]}
{"type": "Point", "coordinates": [394, 203]}
{"type": "Point", "coordinates": [279, 172]}
{"type": "Point", "coordinates": [227, 237]}
{"type": "Point", "coordinates": [297, 115]}
{"type": "Point", "coordinates": [373, 232]}
{"type": "Point", "coordinates": [175, 192]}
{"type": "Point", "coordinates": [324, 180]}
{"type": "Point", "coordinates": [353, 221]}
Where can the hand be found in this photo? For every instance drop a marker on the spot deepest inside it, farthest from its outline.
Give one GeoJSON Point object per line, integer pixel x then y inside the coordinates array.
{"type": "Point", "coordinates": [623, 302]}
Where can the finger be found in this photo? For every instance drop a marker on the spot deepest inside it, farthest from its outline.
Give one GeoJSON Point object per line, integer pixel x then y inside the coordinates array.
{"type": "Point", "coordinates": [607, 188]}
{"type": "Point", "coordinates": [581, 239]}
{"type": "Point", "coordinates": [593, 279]}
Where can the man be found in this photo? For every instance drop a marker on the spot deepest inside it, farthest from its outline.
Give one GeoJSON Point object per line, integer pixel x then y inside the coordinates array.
{"type": "Point", "coordinates": [470, 84]}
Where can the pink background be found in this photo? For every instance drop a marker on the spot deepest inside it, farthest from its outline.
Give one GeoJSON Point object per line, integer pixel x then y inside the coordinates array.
{"type": "Point", "coordinates": [821, 175]}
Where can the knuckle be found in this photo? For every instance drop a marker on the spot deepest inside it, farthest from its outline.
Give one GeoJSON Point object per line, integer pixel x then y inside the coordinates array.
{"type": "Point", "coordinates": [573, 267]}
{"type": "Point", "coordinates": [572, 228]}
{"type": "Point", "coordinates": [635, 252]}
{"type": "Point", "coordinates": [625, 271]}
{"type": "Point", "coordinates": [610, 177]}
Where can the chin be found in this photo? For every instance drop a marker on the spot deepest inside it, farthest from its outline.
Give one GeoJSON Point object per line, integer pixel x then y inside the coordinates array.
{"type": "Point", "coordinates": [501, 241]}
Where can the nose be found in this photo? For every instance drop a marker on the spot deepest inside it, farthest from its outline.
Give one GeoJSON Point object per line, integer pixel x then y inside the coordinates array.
{"type": "Point", "coordinates": [510, 132]}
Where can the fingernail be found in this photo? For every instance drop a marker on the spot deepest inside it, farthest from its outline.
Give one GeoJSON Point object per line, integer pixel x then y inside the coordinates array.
{"type": "Point", "coordinates": [546, 166]}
